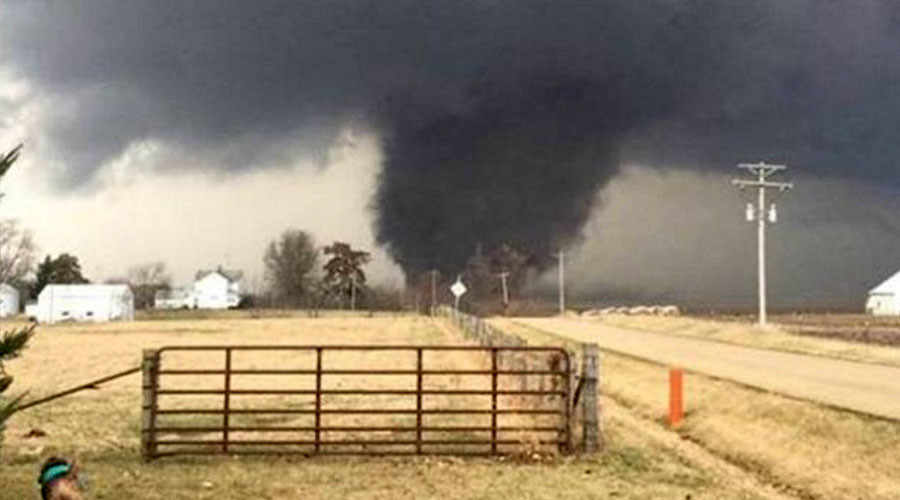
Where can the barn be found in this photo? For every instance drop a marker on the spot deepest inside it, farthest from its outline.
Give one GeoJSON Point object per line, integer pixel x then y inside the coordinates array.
{"type": "Point", "coordinates": [884, 299]}
{"type": "Point", "coordinates": [9, 300]}
{"type": "Point", "coordinates": [87, 303]}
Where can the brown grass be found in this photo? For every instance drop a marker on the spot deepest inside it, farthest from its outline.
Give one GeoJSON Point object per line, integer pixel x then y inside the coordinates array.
{"type": "Point", "coordinates": [91, 351]}
{"type": "Point", "coordinates": [101, 429]}
{"type": "Point", "coordinates": [819, 452]}
{"type": "Point", "coordinates": [776, 337]}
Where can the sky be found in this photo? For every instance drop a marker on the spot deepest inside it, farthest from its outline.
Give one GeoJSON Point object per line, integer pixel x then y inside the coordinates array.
{"type": "Point", "coordinates": [195, 132]}
{"type": "Point", "coordinates": [200, 219]}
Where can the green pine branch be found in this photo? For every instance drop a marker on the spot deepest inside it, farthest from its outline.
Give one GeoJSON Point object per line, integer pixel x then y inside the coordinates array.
{"type": "Point", "coordinates": [12, 343]}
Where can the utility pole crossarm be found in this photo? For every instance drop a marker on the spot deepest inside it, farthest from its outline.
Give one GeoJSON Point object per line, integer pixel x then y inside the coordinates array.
{"type": "Point", "coordinates": [781, 186]}
{"type": "Point", "coordinates": [762, 166]}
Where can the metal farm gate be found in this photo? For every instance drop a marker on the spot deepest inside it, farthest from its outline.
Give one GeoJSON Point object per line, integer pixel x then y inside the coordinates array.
{"type": "Point", "coordinates": [381, 400]}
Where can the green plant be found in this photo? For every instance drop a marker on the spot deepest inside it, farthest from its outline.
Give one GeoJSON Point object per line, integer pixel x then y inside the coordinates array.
{"type": "Point", "coordinates": [14, 341]}
{"type": "Point", "coordinates": [11, 345]}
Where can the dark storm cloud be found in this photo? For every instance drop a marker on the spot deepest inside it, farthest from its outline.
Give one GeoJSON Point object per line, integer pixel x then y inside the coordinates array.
{"type": "Point", "coordinates": [501, 119]}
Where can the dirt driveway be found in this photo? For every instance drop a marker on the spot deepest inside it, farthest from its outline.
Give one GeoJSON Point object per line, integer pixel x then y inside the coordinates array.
{"type": "Point", "coordinates": [868, 388]}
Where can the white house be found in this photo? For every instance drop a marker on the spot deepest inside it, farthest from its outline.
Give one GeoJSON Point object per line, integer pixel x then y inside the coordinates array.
{"type": "Point", "coordinates": [218, 289]}
{"type": "Point", "coordinates": [884, 299]}
{"type": "Point", "coordinates": [98, 303]}
{"type": "Point", "coordinates": [9, 300]}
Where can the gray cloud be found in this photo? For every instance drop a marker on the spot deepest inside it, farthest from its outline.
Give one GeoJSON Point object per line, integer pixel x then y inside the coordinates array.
{"type": "Point", "coordinates": [680, 237]}
{"type": "Point", "coordinates": [501, 119]}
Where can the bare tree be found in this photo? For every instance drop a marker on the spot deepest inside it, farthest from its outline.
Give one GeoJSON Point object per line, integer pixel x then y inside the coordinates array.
{"type": "Point", "coordinates": [291, 264]}
{"type": "Point", "coordinates": [17, 253]}
{"type": "Point", "coordinates": [146, 280]}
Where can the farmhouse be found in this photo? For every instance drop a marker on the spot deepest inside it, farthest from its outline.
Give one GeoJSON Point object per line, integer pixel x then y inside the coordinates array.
{"type": "Point", "coordinates": [884, 299]}
{"type": "Point", "coordinates": [97, 303]}
{"type": "Point", "coordinates": [218, 289]}
{"type": "Point", "coordinates": [9, 300]}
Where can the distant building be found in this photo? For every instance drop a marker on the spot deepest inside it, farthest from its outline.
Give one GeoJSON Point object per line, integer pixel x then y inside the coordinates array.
{"type": "Point", "coordinates": [84, 303]}
{"type": "Point", "coordinates": [31, 311]}
{"type": "Point", "coordinates": [9, 300]}
{"type": "Point", "coordinates": [884, 299]}
{"type": "Point", "coordinates": [218, 289]}
{"type": "Point", "coordinates": [175, 298]}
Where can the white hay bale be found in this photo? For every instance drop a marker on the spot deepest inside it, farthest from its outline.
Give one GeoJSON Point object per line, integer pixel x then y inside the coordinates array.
{"type": "Point", "coordinates": [670, 310]}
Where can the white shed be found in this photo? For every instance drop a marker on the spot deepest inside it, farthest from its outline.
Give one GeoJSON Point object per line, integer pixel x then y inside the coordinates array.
{"type": "Point", "coordinates": [884, 299]}
{"type": "Point", "coordinates": [176, 298]}
{"type": "Point", "coordinates": [97, 303]}
{"type": "Point", "coordinates": [9, 300]}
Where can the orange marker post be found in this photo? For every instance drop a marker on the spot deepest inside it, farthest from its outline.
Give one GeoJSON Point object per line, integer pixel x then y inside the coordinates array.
{"type": "Point", "coordinates": [676, 397]}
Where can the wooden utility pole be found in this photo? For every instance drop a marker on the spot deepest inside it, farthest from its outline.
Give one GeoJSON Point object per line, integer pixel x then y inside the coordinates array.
{"type": "Point", "coordinates": [561, 257]}
{"type": "Point", "coordinates": [353, 292]}
{"type": "Point", "coordinates": [505, 290]}
{"type": "Point", "coordinates": [434, 273]}
{"type": "Point", "coordinates": [762, 215]}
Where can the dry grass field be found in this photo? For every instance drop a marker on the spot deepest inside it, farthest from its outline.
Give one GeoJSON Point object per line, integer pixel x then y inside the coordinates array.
{"type": "Point", "coordinates": [779, 336]}
{"type": "Point", "coordinates": [883, 330]}
{"type": "Point", "coordinates": [815, 451]}
{"type": "Point", "coordinates": [101, 429]}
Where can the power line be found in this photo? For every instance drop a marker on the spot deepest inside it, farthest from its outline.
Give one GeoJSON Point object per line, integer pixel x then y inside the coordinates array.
{"type": "Point", "coordinates": [762, 215]}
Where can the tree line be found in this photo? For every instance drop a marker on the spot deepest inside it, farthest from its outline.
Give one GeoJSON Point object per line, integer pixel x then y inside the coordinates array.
{"type": "Point", "coordinates": [295, 277]}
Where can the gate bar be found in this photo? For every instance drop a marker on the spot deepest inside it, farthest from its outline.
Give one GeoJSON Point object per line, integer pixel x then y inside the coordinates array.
{"type": "Point", "coordinates": [356, 442]}
{"type": "Point", "coordinates": [176, 430]}
{"type": "Point", "coordinates": [361, 392]}
{"type": "Point", "coordinates": [226, 401]}
{"type": "Point", "coordinates": [359, 372]}
{"type": "Point", "coordinates": [351, 347]}
{"type": "Point", "coordinates": [318, 397]}
{"type": "Point", "coordinates": [90, 385]}
{"type": "Point", "coordinates": [363, 411]}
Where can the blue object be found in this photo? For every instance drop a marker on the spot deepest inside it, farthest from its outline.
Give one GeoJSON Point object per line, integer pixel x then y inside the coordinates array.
{"type": "Point", "coordinates": [55, 472]}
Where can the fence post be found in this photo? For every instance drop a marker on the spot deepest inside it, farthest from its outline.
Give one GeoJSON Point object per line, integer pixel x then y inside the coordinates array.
{"type": "Point", "coordinates": [571, 383]}
{"type": "Point", "coordinates": [149, 381]}
{"type": "Point", "coordinates": [590, 420]}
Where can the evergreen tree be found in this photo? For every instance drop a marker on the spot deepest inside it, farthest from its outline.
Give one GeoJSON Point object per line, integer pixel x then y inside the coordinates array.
{"type": "Point", "coordinates": [11, 345]}
{"type": "Point", "coordinates": [12, 342]}
{"type": "Point", "coordinates": [343, 271]}
{"type": "Point", "coordinates": [63, 270]}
